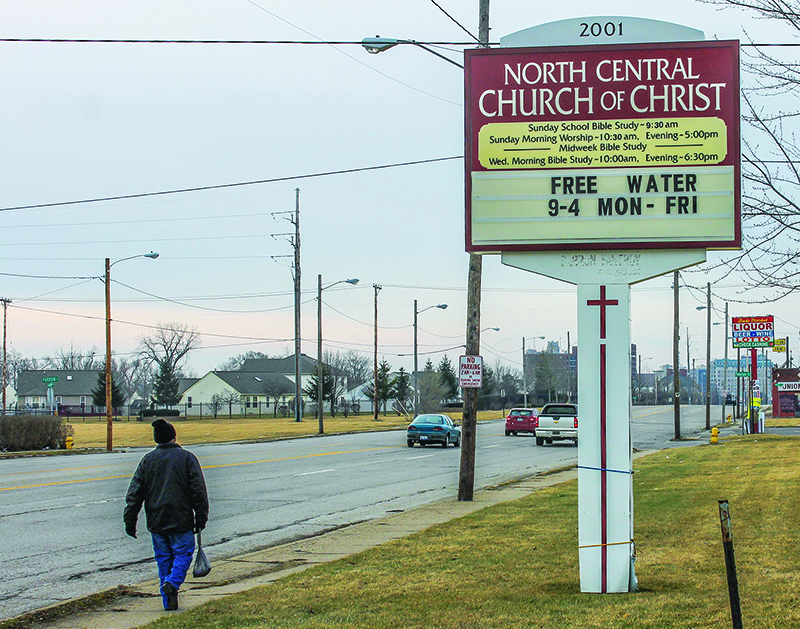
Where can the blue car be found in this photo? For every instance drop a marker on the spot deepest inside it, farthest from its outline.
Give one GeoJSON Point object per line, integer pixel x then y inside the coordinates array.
{"type": "Point", "coordinates": [430, 428]}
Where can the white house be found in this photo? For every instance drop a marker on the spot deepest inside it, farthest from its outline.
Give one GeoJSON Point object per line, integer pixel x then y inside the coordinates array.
{"type": "Point", "coordinates": [239, 392]}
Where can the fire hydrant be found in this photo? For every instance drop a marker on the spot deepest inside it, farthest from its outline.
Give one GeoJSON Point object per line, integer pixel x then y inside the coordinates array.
{"type": "Point", "coordinates": [714, 434]}
{"type": "Point", "coordinates": [729, 418]}
{"type": "Point", "coordinates": [69, 443]}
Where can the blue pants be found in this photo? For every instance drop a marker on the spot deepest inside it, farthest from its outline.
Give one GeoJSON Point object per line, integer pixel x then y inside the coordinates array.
{"type": "Point", "coordinates": [173, 552]}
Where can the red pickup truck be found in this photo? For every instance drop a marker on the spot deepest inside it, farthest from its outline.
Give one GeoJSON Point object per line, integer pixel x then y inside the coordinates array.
{"type": "Point", "coordinates": [521, 420]}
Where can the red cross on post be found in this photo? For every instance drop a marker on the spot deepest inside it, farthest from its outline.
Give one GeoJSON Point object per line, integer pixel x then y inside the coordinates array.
{"type": "Point", "coordinates": [602, 302]}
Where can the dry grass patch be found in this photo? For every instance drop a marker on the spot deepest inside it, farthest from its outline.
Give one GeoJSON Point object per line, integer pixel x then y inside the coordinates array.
{"type": "Point", "coordinates": [516, 565]}
{"type": "Point", "coordinates": [131, 434]}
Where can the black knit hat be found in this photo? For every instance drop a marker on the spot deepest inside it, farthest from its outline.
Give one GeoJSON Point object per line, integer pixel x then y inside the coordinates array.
{"type": "Point", "coordinates": [163, 431]}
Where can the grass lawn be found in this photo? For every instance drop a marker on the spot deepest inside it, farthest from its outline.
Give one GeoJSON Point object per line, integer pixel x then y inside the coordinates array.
{"type": "Point", "coordinates": [128, 434]}
{"type": "Point", "coordinates": [516, 565]}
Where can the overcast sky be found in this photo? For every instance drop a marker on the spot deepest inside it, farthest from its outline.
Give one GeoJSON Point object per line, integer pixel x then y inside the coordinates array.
{"type": "Point", "coordinates": [93, 120]}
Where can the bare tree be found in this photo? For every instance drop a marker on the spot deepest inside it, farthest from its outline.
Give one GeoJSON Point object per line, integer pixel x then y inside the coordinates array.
{"type": "Point", "coordinates": [230, 398]}
{"type": "Point", "coordinates": [17, 362]}
{"type": "Point", "coordinates": [75, 359]}
{"type": "Point", "coordinates": [358, 368]}
{"type": "Point", "coordinates": [770, 158]}
{"type": "Point", "coordinates": [552, 374]}
{"type": "Point", "coordinates": [135, 377]}
{"type": "Point", "coordinates": [169, 344]}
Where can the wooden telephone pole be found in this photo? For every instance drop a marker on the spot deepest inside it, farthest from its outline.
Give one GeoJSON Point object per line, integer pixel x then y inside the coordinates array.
{"type": "Point", "coordinates": [466, 477]}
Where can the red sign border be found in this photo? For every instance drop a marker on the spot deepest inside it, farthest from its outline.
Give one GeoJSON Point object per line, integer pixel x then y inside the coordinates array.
{"type": "Point", "coordinates": [736, 243]}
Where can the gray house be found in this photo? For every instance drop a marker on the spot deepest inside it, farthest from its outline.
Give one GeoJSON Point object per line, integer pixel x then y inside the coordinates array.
{"type": "Point", "coordinates": [71, 388]}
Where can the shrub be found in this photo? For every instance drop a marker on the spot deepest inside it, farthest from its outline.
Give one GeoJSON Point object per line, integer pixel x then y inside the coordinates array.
{"type": "Point", "coordinates": [33, 432]}
{"type": "Point", "coordinates": [161, 412]}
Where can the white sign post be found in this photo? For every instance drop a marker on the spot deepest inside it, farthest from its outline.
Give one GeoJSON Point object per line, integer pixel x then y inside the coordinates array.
{"type": "Point", "coordinates": [470, 372]}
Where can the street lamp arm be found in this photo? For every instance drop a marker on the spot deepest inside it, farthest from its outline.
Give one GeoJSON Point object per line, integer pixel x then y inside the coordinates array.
{"type": "Point", "coordinates": [153, 255]}
{"type": "Point", "coordinates": [375, 45]}
{"type": "Point", "coordinates": [352, 281]}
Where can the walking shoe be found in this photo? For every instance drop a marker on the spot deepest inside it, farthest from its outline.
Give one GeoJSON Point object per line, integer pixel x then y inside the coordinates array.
{"type": "Point", "coordinates": [172, 596]}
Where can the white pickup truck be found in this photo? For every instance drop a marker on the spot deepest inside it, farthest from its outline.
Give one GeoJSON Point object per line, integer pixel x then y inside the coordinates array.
{"type": "Point", "coordinates": [557, 422]}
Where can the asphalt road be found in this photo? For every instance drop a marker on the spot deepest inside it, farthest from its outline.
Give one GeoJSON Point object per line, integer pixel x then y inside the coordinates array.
{"type": "Point", "coordinates": [61, 532]}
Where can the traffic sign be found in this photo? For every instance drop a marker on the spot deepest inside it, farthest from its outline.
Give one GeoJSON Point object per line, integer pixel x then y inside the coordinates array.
{"type": "Point", "coordinates": [742, 374]}
{"type": "Point", "coordinates": [779, 345]}
{"type": "Point", "coordinates": [50, 379]}
{"type": "Point", "coordinates": [470, 372]}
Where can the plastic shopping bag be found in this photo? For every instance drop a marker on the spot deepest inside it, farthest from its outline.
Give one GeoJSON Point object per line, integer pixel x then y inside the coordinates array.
{"type": "Point", "coordinates": [202, 566]}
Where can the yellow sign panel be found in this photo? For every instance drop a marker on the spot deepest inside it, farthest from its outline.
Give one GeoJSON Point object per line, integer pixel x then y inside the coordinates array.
{"type": "Point", "coordinates": [603, 143]}
{"type": "Point", "coordinates": [779, 345]}
{"type": "Point", "coordinates": [566, 206]}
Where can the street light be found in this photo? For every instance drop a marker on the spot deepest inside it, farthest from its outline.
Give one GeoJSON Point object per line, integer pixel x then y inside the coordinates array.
{"type": "Point", "coordinates": [416, 369]}
{"type": "Point", "coordinates": [640, 374]}
{"type": "Point", "coordinates": [375, 45]}
{"type": "Point", "coordinates": [352, 281]}
{"type": "Point", "coordinates": [109, 408]}
{"type": "Point", "coordinates": [707, 308]}
{"type": "Point", "coordinates": [524, 377]}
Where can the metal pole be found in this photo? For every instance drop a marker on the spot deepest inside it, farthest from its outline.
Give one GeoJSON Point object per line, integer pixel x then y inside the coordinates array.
{"type": "Point", "coordinates": [639, 381]}
{"type": "Point", "coordinates": [319, 353]}
{"type": "Point", "coordinates": [416, 366]}
{"type": "Point", "coordinates": [298, 389]}
{"type": "Point", "coordinates": [725, 370]}
{"type": "Point", "coordinates": [708, 356]}
{"type": "Point", "coordinates": [109, 409]}
{"type": "Point", "coordinates": [375, 381]}
{"type": "Point", "coordinates": [524, 377]}
{"type": "Point", "coordinates": [676, 373]}
{"type": "Point", "coordinates": [730, 564]}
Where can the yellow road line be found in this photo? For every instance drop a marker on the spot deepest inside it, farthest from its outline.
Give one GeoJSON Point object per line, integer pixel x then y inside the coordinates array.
{"type": "Point", "coordinates": [208, 467]}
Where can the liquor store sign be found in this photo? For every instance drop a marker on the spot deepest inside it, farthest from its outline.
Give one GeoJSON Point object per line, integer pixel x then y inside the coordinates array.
{"type": "Point", "coordinates": [603, 147]}
{"type": "Point", "coordinates": [753, 331]}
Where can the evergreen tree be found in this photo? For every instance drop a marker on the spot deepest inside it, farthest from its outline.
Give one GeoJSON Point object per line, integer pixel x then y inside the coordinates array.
{"type": "Point", "coordinates": [401, 389]}
{"type": "Point", "coordinates": [448, 378]}
{"type": "Point", "coordinates": [99, 392]}
{"type": "Point", "coordinates": [166, 387]}
{"type": "Point", "coordinates": [489, 386]}
{"type": "Point", "coordinates": [327, 386]}
{"type": "Point", "coordinates": [385, 389]}
{"type": "Point", "coordinates": [431, 390]}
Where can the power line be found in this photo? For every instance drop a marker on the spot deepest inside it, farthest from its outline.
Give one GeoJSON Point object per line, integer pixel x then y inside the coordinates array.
{"type": "Point", "coordinates": [289, 42]}
{"type": "Point", "coordinates": [142, 195]}
{"type": "Point", "coordinates": [457, 23]}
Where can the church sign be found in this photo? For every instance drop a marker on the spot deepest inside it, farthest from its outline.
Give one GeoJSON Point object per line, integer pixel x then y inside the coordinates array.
{"type": "Point", "coordinates": [628, 146]}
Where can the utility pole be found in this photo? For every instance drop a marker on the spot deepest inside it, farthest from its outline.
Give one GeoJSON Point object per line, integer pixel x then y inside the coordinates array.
{"type": "Point", "coordinates": [298, 389]}
{"type": "Point", "coordinates": [5, 356]}
{"type": "Point", "coordinates": [676, 372]}
{"type": "Point", "coordinates": [466, 476]}
{"type": "Point", "coordinates": [294, 240]}
{"type": "Point", "coordinates": [320, 425]}
{"type": "Point", "coordinates": [708, 356]}
{"type": "Point", "coordinates": [109, 390]}
{"type": "Point", "coordinates": [375, 373]}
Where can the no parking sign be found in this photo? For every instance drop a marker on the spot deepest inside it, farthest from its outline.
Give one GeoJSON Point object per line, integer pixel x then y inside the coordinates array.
{"type": "Point", "coordinates": [470, 372]}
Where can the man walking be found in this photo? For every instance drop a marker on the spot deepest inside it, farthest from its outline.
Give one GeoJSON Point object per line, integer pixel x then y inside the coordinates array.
{"type": "Point", "coordinates": [170, 483]}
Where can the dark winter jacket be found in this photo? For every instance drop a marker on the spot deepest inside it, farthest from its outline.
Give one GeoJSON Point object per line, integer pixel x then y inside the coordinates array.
{"type": "Point", "coordinates": [170, 483]}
